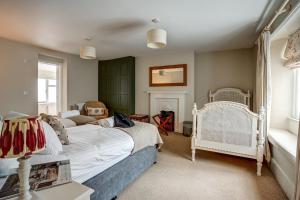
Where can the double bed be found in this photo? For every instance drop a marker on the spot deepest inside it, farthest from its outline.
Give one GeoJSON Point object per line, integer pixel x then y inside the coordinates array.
{"type": "Point", "coordinates": [105, 159]}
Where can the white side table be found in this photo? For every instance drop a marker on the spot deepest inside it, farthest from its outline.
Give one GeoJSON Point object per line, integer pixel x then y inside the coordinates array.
{"type": "Point", "coordinates": [69, 191]}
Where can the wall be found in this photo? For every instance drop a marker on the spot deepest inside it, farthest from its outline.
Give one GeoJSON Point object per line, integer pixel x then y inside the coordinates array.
{"type": "Point", "coordinates": [18, 73]}
{"type": "Point", "coordinates": [142, 65]}
{"type": "Point", "coordinates": [281, 87]}
{"type": "Point", "coordinates": [231, 68]}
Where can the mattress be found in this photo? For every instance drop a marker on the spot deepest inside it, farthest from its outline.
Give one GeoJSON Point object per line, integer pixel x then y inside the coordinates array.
{"type": "Point", "coordinates": [92, 149]}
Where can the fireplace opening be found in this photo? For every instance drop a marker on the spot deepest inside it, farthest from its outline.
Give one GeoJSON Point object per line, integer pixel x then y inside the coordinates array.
{"type": "Point", "coordinates": [166, 119]}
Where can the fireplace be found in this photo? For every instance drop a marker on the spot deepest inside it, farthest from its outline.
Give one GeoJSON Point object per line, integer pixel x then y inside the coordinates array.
{"type": "Point", "coordinates": [169, 101]}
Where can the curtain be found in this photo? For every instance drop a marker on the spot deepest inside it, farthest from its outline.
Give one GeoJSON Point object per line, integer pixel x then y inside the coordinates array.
{"type": "Point", "coordinates": [297, 187]}
{"type": "Point", "coordinates": [264, 84]}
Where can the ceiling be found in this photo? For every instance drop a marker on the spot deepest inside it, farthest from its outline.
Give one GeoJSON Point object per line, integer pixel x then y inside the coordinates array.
{"type": "Point", "coordinates": [118, 27]}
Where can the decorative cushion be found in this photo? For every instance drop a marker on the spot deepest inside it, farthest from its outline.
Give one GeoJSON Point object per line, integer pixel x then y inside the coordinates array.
{"type": "Point", "coordinates": [82, 119]}
{"type": "Point", "coordinates": [57, 127]}
{"type": "Point", "coordinates": [53, 144]}
{"type": "Point", "coordinates": [69, 113]}
{"type": "Point", "coordinates": [67, 123]}
{"type": "Point", "coordinates": [95, 111]}
{"type": "Point", "coordinates": [107, 122]}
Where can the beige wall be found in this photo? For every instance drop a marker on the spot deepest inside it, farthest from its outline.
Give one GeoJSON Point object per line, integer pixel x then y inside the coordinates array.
{"type": "Point", "coordinates": [231, 68]}
{"type": "Point", "coordinates": [281, 87]}
{"type": "Point", "coordinates": [142, 79]}
{"type": "Point", "coordinates": [18, 73]}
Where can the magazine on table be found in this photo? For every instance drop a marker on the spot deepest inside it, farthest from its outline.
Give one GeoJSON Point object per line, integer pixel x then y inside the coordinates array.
{"type": "Point", "coordinates": [41, 176]}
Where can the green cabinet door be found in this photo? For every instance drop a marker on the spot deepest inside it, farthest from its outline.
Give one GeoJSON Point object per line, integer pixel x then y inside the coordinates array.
{"type": "Point", "coordinates": [116, 84]}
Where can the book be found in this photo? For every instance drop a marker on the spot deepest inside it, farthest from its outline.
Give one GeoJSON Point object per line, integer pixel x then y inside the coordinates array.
{"type": "Point", "coordinates": [42, 176]}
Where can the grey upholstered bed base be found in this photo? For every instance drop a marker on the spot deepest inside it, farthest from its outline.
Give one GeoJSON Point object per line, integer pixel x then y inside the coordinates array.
{"type": "Point", "coordinates": [109, 183]}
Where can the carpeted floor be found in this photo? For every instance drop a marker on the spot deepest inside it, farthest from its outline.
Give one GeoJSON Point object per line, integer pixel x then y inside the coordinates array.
{"type": "Point", "coordinates": [212, 177]}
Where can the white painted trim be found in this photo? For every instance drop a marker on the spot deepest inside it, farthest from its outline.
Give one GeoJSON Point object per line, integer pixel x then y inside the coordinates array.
{"type": "Point", "coordinates": [180, 97]}
{"type": "Point", "coordinates": [290, 155]}
{"type": "Point", "coordinates": [293, 125]}
{"type": "Point", "coordinates": [283, 180]}
{"type": "Point", "coordinates": [165, 92]}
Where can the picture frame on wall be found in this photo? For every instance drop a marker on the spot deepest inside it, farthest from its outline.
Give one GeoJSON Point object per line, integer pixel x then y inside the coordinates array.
{"type": "Point", "coordinates": [168, 75]}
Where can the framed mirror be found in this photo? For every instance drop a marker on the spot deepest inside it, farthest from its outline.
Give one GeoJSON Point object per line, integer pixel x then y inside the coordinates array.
{"type": "Point", "coordinates": [169, 75]}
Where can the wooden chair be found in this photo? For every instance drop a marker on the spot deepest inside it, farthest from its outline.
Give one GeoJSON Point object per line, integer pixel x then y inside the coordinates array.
{"type": "Point", "coordinates": [95, 104]}
{"type": "Point", "coordinates": [161, 126]}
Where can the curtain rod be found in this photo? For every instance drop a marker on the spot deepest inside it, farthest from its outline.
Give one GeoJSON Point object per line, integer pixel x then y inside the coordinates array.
{"type": "Point", "coordinates": [280, 11]}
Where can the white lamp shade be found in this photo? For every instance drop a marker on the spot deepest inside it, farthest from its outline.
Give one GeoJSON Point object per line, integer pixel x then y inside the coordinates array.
{"type": "Point", "coordinates": [156, 38]}
{"type": "Point", "coordinates": [88, 52]}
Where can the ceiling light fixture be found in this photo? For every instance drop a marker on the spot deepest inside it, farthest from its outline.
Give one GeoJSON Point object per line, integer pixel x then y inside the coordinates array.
{"type": "Point", "coordinates": [156, 38]}
{"type": "Point", "coordinates": [87, 51]}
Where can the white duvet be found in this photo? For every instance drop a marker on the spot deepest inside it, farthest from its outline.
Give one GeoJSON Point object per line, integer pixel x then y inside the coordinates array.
{"type": "Point", "coordinates": [92, 149]}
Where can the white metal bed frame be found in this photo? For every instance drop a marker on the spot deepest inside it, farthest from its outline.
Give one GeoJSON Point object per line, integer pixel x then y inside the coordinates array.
{"type": "Point", "coordinates": [230, 94]}
{"type": "Point", "coordinates": [255, 151]}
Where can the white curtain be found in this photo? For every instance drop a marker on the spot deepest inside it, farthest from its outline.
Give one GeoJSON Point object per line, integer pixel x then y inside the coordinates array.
{"type": "Point", "coordinates": [264, 84]}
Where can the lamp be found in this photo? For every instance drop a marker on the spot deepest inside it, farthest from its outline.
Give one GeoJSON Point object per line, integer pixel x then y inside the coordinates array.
{"type": "Point", "coordinates": [156, 38]}
{"type": "Point", "coordinates": [88, 52]}
{"type": "Point", "coordinates": [20, 138]}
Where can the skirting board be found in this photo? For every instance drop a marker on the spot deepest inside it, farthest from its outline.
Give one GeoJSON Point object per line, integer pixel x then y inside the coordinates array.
{"type": "Point", "coordinates": [284, 181]}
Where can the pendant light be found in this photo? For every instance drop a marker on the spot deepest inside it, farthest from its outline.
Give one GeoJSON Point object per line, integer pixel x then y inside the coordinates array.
{"type": "Point", "coordinates": [87, 51]}
{"type": "Point", "coordinates": [156, 38]}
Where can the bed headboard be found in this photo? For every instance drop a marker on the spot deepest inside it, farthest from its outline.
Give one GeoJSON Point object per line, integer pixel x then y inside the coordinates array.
{"type": "Point", "coordinates": [230, 94]}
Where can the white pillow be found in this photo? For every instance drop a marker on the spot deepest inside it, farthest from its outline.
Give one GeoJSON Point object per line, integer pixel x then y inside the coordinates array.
{"type": "Point", "coordinates": [70, 113]}
{"type": "Point", "coordinates": [53, 145]}
{"type": "Point", "coordinates": [111, 121]}
{"type": "Point", "coordinates": [7, 166]}
{"type": "Point", "coordinates": [67, 123]}
{"type": "Point", "coordinates": [107, 122]}
{"type": "Point", "coordinates": [13, 114]}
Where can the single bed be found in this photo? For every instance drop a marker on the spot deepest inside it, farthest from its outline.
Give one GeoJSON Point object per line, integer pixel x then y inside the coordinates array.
{"type": "Point", "coordinates": [230, 128]}
{"type": "Point", "coordinates": [226, 125]}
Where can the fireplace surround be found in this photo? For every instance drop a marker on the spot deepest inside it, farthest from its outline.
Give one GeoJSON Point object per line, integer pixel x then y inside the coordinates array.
{"type": "Point", "coordinates": [170, 101]}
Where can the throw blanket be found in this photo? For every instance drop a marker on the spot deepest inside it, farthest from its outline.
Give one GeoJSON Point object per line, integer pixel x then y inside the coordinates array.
{"type": "Point", "coordinates": [143, 135]}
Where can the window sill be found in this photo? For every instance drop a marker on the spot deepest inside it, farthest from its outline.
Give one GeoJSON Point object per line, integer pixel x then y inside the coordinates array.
{"type": "Point", "coordinates": [293, 119]}
{"type": "Point", "coordinates": [284, 140]}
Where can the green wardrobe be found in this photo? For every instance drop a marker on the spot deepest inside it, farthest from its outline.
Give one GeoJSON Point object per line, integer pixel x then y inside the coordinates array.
{"type": "Point", "coordinates": [116, 84]}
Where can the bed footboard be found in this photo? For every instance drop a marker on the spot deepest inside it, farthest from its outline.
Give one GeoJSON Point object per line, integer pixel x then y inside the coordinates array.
{"type": "Point", "coordinates": [229, 128]}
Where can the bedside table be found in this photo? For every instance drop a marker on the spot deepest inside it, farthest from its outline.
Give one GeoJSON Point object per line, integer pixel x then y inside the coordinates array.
{"type": "Point", "coordinates": [68, 191]}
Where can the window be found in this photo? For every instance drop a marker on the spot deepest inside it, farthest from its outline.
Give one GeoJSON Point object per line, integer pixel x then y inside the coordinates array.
{"type": "Point", "coordinates": [296, 94]}
{"type": "Point", "coordinates": [50, 84]}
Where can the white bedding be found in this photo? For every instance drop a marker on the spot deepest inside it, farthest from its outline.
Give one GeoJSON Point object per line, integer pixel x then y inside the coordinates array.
{"type": "Point", "coordinates": [92, 149]}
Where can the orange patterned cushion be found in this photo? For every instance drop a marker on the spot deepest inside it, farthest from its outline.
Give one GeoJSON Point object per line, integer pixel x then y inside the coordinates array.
{"type": "Point", "coordinates": [95, 111]}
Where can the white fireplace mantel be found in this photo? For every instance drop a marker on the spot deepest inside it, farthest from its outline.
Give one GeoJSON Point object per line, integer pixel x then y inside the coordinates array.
{"type": "Point", "coordinates": [170, 101]}
{"type": "Point", "coordinates": [166, 92]}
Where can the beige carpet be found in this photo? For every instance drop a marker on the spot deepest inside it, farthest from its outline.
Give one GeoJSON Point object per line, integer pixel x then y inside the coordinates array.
{"type": "Point", "coordinates": [212, 177]}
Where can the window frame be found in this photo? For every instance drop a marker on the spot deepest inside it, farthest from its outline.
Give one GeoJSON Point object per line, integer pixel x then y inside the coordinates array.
{"type": "Point", "coordinates": [296, 95]}
{"type": "Point", "coordinates": [60, 72]}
